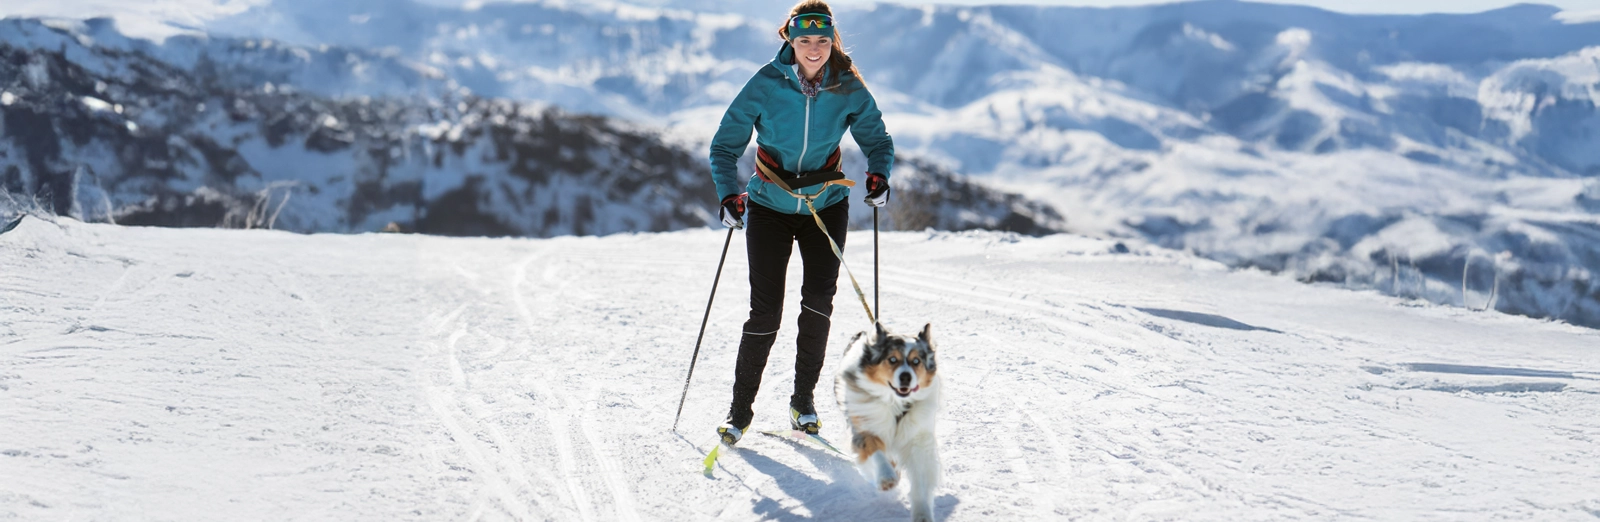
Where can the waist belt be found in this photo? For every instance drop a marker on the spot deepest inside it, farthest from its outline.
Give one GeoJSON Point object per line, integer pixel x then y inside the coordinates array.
{"type": "Point", "coordinates": [772, 172]}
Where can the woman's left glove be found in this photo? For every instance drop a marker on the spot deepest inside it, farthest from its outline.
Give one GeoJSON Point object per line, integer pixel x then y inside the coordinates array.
{"type": "Point", "coordinates": [733, 211]}
{"type": "Point", "coordinates": [877, 190]}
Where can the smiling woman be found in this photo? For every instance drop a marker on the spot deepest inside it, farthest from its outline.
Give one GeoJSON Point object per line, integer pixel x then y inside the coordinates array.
{"type": "Point", "coordinates": [799, 105]}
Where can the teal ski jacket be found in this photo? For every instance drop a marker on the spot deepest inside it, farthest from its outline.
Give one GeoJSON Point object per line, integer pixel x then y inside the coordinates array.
{"type": "Point", "coordinates": [798, 131]}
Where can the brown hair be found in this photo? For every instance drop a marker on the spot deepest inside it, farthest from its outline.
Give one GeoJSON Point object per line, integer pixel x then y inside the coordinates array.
{"type": "Point", "coordinates": [839, 63]}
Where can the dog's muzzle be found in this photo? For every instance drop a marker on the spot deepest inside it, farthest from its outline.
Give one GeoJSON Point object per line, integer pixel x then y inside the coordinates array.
{"type": "Point", "coordinates": [907, 382]}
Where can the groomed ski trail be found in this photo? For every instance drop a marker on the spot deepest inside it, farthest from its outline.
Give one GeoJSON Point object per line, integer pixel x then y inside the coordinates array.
{"type": "Point", "coordinates": [391, 377]}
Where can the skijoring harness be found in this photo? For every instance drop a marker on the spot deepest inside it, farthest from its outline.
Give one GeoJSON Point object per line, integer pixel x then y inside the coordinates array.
{"type": "Point", "coordinates": [770, 171]}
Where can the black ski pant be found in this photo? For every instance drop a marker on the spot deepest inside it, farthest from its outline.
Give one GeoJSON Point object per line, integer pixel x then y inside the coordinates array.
{"type": "Point", "coordinates": [769, 239]}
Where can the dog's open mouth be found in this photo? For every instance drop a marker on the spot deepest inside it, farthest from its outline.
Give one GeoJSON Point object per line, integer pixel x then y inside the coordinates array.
{"type": "Point", "coordinates": [907, 391]}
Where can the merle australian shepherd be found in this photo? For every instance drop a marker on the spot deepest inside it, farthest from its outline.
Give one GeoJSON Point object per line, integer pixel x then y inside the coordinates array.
{"type": "Point", "coordinates": [889, 389]}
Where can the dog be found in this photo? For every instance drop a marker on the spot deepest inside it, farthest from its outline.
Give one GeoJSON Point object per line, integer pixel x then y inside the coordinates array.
{"type": "Point", "coordinates": [888, 388]}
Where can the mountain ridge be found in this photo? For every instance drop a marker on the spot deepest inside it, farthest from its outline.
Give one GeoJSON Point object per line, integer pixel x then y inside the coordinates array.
{"type": "Point", "coordinates": [1322, 145]}
{"type": "Point", "coordinates": [227, 136]}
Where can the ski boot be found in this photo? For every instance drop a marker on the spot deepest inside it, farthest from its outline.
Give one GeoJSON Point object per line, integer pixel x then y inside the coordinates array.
{"type": "Point", "coordinates": [730, 434]}
{"type": "Point", "coordinates": [732, 430]}
{"type": "Point", "coordinates": [803, 416]}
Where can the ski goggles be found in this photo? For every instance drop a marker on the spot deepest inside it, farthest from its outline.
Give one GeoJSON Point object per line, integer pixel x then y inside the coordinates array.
{"type": "Point", "coordinates": [810, 24]}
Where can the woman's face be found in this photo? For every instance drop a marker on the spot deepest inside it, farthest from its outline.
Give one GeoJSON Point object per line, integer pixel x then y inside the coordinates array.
{"type": "Point", "coordinates": [811, 52]}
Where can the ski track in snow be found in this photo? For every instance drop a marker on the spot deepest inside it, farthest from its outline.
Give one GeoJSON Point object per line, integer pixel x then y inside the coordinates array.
{"type": "Point", "coordinates": [205, 374]}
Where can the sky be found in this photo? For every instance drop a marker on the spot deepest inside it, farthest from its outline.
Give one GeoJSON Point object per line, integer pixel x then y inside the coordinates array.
{"type": "Point", "coordinates": [147, 18]}
{"type": "Point", "coordinates": [1343, 6]}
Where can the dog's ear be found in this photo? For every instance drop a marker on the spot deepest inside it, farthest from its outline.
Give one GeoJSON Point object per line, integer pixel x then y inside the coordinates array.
{"type": "Point", "coordinates": [871, 346]}
{"type": "Point", "coordinates": [882, 334]}
{"type": "Point", "coordinates": [926, 337]}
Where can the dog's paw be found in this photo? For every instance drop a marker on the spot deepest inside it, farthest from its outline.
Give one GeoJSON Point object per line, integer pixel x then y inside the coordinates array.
{"type": "Point", "coordinates": [889, 478]}
{"type": "Point", "coordinates": [883, 472]}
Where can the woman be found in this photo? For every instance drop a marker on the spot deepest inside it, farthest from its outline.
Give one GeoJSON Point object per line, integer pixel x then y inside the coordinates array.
{"type": "Point", "coordinates": [799, 106]}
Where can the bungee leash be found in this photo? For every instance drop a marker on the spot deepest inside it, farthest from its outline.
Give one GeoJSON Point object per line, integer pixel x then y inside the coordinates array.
{"type": "Point", "coordinates": [871, 318]}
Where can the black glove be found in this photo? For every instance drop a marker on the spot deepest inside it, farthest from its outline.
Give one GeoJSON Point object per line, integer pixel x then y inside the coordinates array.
{"type": "Point", "coordinates": [877, 190]}
{"type": "Point", "coordinates": [733, 211]}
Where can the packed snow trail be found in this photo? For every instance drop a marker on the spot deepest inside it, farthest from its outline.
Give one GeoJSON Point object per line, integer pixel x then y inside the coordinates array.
{"type": "Point", "coordinates": [174, 374]}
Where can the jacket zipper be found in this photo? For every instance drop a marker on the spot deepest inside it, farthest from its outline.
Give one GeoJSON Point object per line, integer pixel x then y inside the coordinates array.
{"type": "Point", "coordinates": [805, 142]}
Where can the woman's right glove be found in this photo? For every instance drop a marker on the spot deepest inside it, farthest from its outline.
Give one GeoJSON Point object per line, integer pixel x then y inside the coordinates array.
{"type": "Point", "coordinates": [733, 211]}
{"type": "Point", "coordinates": [877, 190]}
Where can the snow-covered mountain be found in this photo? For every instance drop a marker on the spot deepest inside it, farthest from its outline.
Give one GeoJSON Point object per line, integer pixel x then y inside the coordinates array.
{"type": "Point", "coordinates": [115, 133]}
{"type": "Point", "coordinates": [1281, 76]}
{"type": "Point", "coordinates": [1443, 156]}
{"type": "Point", "coordinates": [252, 133]}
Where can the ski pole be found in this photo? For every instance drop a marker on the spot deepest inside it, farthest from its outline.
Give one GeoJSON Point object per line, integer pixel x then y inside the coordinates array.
{"type": "Point", "coordinates": [703, 321]}
{"type": "Point", "coordinates": [876, 311]}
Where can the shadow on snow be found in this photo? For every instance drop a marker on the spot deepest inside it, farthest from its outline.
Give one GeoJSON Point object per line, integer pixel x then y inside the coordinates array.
{"type": "Point", "coordinates": [845, 495]}
{"type": "Point", "coordinates": [1215, 321]}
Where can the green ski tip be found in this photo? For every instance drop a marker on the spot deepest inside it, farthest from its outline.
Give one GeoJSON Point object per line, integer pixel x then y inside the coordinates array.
{"type": "Point", "coordinates": [711, 459]}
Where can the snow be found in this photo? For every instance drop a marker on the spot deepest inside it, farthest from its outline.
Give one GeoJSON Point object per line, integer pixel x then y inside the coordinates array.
{"type": "Point", "coordinates": [96, 104]}
{"type": "Point", "coordinates": [1202, 35]}
{"type": "Point", "coordinates": [147, 19]}
{"type": "Point", "coordinates": [1517, 93]}
{"type": "Point", "coordinates": [1295, 40]}
{"type": "Point", "coordinates": [190, 374]}
{"type": "Point", "coordinates": [1433, 73]}
{"type": "Point", "coordinates": [1578, 17]}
